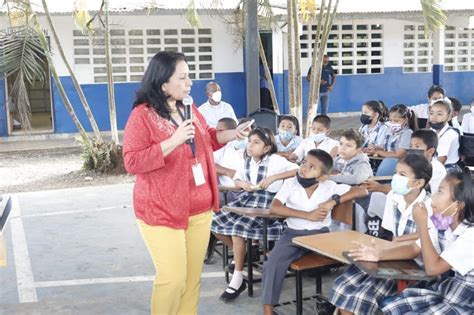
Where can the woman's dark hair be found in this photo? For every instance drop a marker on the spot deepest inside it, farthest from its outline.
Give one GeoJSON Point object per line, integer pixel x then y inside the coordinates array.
{"type": "Point", "coordinates": [407, 113]}
{"type": "Point", "coordinates": [420, 166]}
{"type": "Point", "coordinates": [323, 157]}
{"type": "Point", "coordinates": [378, 107]}
{"type": "Point", "coordinates": [461, 190]}
{"type": "Point", "coordinates": [161, 67]}
{"type": "Point", "coordinates": [292, 119]}
{"type": "Point", "coordinates": [266, 135]}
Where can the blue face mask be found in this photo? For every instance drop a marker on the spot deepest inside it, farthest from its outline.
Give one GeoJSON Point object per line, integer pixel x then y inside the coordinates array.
{"type": "Point", "coordinates": [240, 144]}
{"type": "Point", "coordinates": [285, 135]}
{"type": "Point", "coordinates": [318, 137]}
{"type": "Point", "coordinates": [400, 185]}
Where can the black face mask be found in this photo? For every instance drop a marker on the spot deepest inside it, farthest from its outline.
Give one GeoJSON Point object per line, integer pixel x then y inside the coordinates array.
{"type": "Point", "coordinates": [416, 152]}
{"type": "Point", "coordinates": [306, 182]}
{"type": "Point", "coordinates": [365, 119]}
{"type": "Point", "coordinates": [437, 126]}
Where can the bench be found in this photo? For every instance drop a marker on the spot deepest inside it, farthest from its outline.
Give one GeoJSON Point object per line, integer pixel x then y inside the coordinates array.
{"type": "Point", "coordinates": [318, 263]}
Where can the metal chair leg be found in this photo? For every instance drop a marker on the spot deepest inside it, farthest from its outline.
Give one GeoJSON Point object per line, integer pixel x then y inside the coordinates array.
{"type": "Point", "coordinates": [299, 293]}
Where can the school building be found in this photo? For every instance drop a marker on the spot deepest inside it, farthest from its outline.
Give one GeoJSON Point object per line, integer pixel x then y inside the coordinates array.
{"type": "Point", "coordinates": [381, 55]}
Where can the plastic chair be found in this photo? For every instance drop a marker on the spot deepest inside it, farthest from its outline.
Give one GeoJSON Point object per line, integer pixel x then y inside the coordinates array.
{"type": "Point", "coordinates": [265, 118]}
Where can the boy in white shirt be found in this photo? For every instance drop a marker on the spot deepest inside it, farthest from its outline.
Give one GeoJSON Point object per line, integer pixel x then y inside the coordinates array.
{"type": "Point", "coordinates": [435, 93]}
{"type": "Point", "coordinates": [215, 109]}
{"type": "Point", "coordinates": [304, 201]}
{"type": "Point", "coordinates": [468, 120]}
{"type": "Point", "coordinates": [320, 128]}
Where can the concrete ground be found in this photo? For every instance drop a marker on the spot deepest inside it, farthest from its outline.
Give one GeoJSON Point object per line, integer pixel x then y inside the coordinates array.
{"type": "Point", "coordinates": [79, 251]}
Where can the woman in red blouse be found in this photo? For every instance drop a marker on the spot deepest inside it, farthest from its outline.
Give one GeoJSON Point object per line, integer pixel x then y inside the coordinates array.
{"type": "Point", "coordinates": [176, 185]}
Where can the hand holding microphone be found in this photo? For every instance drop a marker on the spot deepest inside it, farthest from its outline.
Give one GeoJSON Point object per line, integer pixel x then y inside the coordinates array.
{"type": "Point", "coordinates": [188, 114]}
{"type": "Point", "coordinates": [185, 132]}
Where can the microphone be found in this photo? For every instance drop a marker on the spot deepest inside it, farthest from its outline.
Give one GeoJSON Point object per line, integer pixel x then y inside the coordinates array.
{"type": "Point", "coordinates": [188, 111]}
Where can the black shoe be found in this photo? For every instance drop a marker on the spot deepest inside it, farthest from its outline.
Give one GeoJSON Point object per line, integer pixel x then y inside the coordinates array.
{"type": "Point", "coordinates": [324, 307]}
{"type": "Point", "coordinates": [227, 297]}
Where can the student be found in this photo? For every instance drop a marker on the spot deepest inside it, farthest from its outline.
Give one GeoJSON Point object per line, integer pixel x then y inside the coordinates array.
{"type": "Point", "coordinates": [424, 142]}
{"type": "Point", "coordinates": [457, 107]}
{"type": "Point", "coordinates": [435, 93]}
{"type": "Point", "coordinates": [230, 158]}
{"type": "Point", "coordinates": [288, 137]}
{"type": "Point", "coordinates": [260, 179]}
{"type": "Point", "coordinates": [320, 128]}
{"type": "Point", "coordinates": [300, 200]}
{"type": "Point", "coordinates": [468, 120]}
{"type": "Point", "coordinates": [351, 166]}
{"type": "Point", "coordinates": [448, 144]}
{"type": "Point", "coordinates": [453, 208]}
{"type": "Point", "coordinates": [374, 115]}
{"type": "Point", "coordinates": [226, 123]}
{"type": "Point", "coordinates": [355, 291]}
{"type": "Point", "coordinates": [402, 123]}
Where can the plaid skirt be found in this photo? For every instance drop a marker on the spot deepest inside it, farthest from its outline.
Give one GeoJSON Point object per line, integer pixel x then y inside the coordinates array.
{"type": "Point", "coordinates": [453, 295]}
{"type": "Point", "coordinates": [232, 224]}
{"type": "Point", "coordinates": [360, 293]}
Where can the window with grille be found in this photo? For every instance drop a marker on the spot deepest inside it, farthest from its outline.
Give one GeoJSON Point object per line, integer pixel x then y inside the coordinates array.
{"type": "Point", "coordinates": [351, 48]}
{"type": "Point", "coordinates": [132, 50]}
{"type": "Point", "coordinates": [459, 49]}
{"type": "Point", "coordinates": [417, 50]}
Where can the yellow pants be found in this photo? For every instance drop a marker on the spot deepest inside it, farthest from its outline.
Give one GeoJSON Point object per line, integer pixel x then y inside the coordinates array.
{"type": "Point", "coordinates": [178, 256]}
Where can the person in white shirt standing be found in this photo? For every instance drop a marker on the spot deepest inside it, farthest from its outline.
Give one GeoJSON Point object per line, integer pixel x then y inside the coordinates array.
{"type": "Point", "coordinates": [215, 109]}
{"type": "Point", "coordinates": [468, 120]}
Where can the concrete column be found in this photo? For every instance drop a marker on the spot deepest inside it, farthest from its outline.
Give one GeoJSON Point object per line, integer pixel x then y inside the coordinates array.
{"type": "Point", "coordinates": [438, 56]}
{"type": "Point", "coordinates": [251, 66]}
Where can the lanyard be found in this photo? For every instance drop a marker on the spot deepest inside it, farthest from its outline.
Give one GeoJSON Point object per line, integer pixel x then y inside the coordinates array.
{"type": "Point", "coordinates": [192, 144]}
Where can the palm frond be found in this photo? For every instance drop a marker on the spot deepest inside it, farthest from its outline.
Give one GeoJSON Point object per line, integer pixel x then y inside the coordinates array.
{"type": "Point", "coordinates": [433, 16]}
{"type": "Point", "coordinates": [19, 101]}
{"type": "Point", "coordinates": [192, 15]}
{"type": "Point", "coordinates": [266, 17]}
{"type": "Point", "coordinates": [308, 10]}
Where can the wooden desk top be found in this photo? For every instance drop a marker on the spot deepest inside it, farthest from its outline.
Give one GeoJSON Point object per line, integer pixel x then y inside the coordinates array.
{"type": "Point", "coordinates": [334, 244]}
{"type": "Point", "coordinates": [3, 252]}
{"type": "Point", "coordinates": [381, 178]}
{"type": "Point", "coordinates": [392, 269]}
{"type": "Point", "coordinates": [228, 188]}
{"type": "Point", "coordinates": [251, 212]}
{"type": "Point", "coordinates": [373, 157]}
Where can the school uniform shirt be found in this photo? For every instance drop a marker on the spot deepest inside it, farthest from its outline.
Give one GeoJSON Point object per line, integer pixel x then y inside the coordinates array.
{"type": "Point", "coordinates": [446, 295]}
{"type": "Point", "coordinates": [276, 165]}
{"type": "Point", "coordinates": [439, 172]}
{"type": "Point", "coordinates": [292, 145]}
{"type": "Point", "coordinates": [374, 136]}
{"type": "Point", "coordinates": [398, 140]}
{"type": "Point", "coordinates": [307, 145]}
{"type": "Point", "coordinates": [352, 172]}
{"type": "Point", "coordinates": [212, 113]}
{"type": "Point", "coordinates": [396, 202]}
{"type": "Point", "coordinates": [456, 125]}
{"type": "Point", "coordinates": [448, 144]}
{"type": "Point", "coordinates": [294, 196]}
{"type": "Point", "coordinates": [468, 123]}
{"type": "Point", "coordinates": [230, 158]}
{"type": "Point", "coordinates": [421, 110]}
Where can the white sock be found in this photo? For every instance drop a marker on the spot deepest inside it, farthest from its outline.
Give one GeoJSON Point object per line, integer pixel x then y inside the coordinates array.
{"type": "Point", "coordinates": [236, 282]}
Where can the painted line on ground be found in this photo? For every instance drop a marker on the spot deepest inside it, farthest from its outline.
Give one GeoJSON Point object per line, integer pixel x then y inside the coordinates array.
{"type": "Point", "coordinates": [74, 282]}
{"type": "Point", "coordinates": [24, 272]}
{"type": "Point", "coordinates": [76, 211]}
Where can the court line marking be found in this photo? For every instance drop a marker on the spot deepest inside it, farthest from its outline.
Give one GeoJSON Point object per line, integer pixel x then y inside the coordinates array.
{"type": "Point", "coordinates": [24, 273]}
{"type": "Point", "coordinates": [76, 211]}
{"type": "Point", "coordinates": [74, 282]}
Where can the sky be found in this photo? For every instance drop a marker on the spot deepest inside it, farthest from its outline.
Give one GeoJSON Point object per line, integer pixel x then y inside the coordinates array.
{"type": "Point", "coordinates": [344, 5]}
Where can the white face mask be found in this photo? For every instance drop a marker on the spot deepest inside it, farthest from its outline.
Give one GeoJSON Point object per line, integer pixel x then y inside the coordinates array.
{"type": "Point", "coordinates": [318, 137]}
{"type": "Point", "coordinates": [216, 96]}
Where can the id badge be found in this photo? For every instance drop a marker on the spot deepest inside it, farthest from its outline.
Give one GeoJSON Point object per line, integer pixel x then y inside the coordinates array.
{"type": "Point", "coordinates": [198, 174]}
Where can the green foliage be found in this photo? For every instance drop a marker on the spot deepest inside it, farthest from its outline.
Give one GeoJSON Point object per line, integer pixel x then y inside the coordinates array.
{"type": "Point", "coordinates": [433, 16]}
{"type": "Point", "coordinates": [100, 157]}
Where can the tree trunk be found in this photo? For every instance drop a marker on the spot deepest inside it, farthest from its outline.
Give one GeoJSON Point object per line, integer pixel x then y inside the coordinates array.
{"type": "Point", "coordinates": [268, 76]}
{"type": "Point", "coordinates": [291, 73]}
{"type": "Point", "coordinates": [297, 62]}
{"type": "Point", "coordinates": [82, 97]}
{"type": "Point", "coordinates": [110, 78]}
